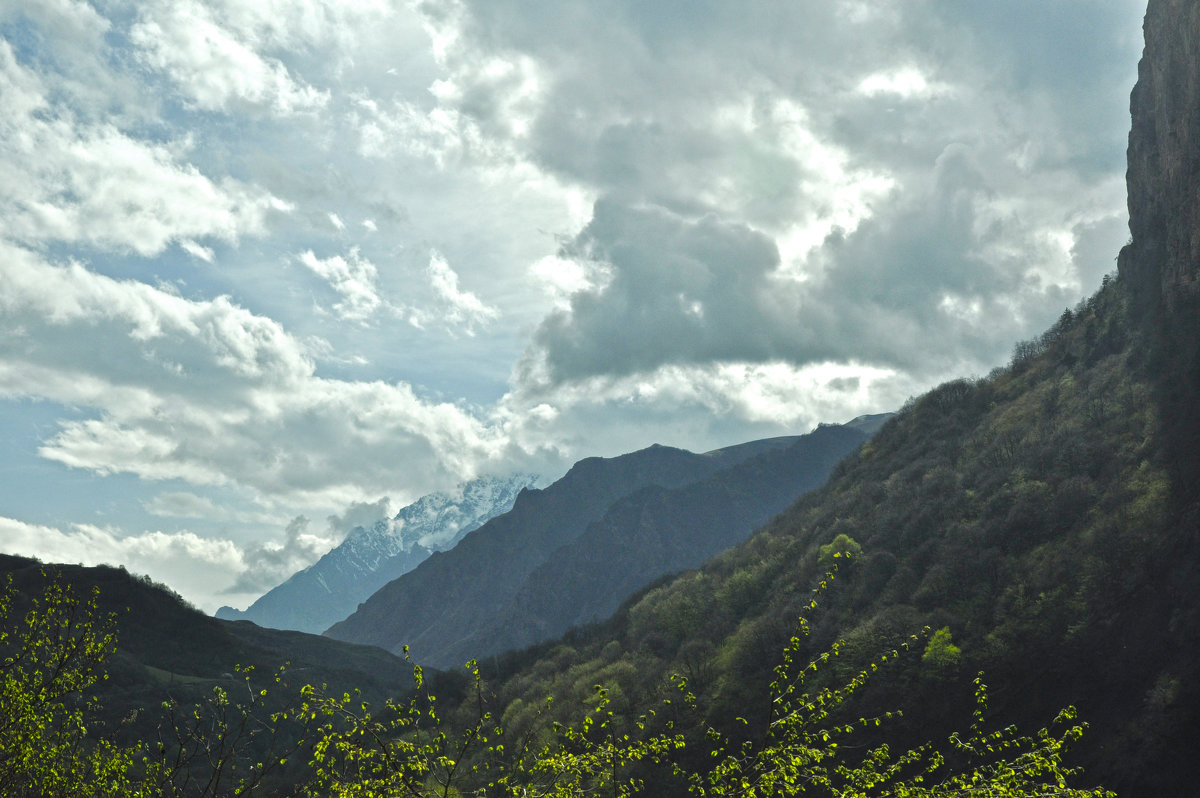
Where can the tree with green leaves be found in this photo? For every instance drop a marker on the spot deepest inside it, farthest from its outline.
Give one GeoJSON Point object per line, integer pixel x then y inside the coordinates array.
{"type": "Point", "coordinates": [806, 747]}
{"type": "Point", "coordinates": [50, 657]}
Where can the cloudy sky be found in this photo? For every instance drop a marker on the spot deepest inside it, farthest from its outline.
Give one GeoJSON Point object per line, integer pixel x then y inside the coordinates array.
{"type": "Point", "coordinates": [270, 266]}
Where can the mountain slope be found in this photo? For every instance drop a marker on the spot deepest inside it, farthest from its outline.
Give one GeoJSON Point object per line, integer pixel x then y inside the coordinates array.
{"type": "Point", "coordinates": [653, 532]}
{"type": "Point", "coordinates": [440, 608]}
{"type": "Point", "coordinates": [167, 648]}
{"type": "Point", "coordinates": [370, 557]}
{"type": "Point", "coordinates": [1029, 513]}
{"type": "Point", "coordinates": [1046, 516]}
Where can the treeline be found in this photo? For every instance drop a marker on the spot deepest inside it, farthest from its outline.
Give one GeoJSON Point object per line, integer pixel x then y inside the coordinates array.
{"type": "Point", "coordinates": [263, 738]}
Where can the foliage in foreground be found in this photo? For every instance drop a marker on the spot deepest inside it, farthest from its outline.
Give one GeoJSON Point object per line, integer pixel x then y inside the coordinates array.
{"type": "Point", "coordinates": [329, 745]}
{"type": "Point", "coordinates": [51, 656]}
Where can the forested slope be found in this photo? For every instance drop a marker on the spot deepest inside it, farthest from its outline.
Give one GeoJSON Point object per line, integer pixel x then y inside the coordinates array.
{"type": "Point", "coordinates": [168, 649]}
{"type": "Point", "coordinates": [1030, 513]}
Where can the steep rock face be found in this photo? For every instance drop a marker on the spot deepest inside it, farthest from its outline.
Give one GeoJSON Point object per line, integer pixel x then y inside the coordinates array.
{"type": "Point", "coordinates": [1162, 262]}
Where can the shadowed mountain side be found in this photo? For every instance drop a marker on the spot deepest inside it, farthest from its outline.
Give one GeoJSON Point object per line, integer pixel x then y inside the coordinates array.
{"type": "Point", "coordinates": [167, 647]}
{"type": "Point", "coordinates": [456, 591]}
{"type": "Point", "coordinates": [372, 555]}
{"type": "Point", "coordinates": [439, 609]}
{"type": "Point", "coordinates": [655, 531]}
{"type": "Point", "coordinates": [325, 592]}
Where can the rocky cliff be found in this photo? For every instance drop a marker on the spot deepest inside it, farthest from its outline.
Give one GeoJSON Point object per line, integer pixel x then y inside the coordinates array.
{"type": "Point", "coordinates": [1161, 264]}
{"type": "Point", "coordinates": [1162, 261]}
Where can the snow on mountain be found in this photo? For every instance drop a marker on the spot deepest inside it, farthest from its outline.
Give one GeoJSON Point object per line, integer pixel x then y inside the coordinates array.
{"type": "Point", "coordinates": [371, 556]}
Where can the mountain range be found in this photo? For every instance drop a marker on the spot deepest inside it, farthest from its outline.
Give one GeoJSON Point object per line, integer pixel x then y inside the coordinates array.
{"type": "Point", "coordinates": [571, 553]}
{"type": "Point", "coordinates": [371, 556]}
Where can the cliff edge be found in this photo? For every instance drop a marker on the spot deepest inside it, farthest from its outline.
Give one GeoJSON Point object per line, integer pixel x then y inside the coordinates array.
{"type": "Point", "coordinates": [1161, 263]}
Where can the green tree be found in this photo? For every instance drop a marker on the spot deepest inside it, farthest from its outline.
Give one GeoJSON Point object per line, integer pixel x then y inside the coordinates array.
{"type": "Point", "coordinates": [940, 652]}
{"type": "Point", "coordinates": [841, 546]}
{"type": "Point", "coordinates": [803, 748]}
{"type": "Point", "coordinates": [52, 655]}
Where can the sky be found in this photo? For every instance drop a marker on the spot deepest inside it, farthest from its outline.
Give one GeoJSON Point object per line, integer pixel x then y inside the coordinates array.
{"type": "Point", "coordinates": [271, 268]}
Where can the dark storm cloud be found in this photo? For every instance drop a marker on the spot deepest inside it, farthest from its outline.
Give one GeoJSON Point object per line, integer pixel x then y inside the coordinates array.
{"type": "Point", "coordinates": [680, 292]}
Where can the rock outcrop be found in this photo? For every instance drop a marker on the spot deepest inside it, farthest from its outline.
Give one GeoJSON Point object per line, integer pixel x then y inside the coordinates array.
{"type": "Point", "coordinates": [1161, 263]}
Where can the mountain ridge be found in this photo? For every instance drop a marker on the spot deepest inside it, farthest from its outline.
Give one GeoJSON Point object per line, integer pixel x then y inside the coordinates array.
{"type": "Point", "coordinates": [657, 531]}
{"type": "Point", "coordinates": [167, 648]}
{"type": "Point", "coordinates": [454, 605]}
{"type": "Point", "coordinates": [371, 556]}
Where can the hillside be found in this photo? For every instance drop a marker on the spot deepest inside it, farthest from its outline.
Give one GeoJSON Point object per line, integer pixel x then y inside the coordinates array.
{"type": "Point", "coordinates": [166, 648]}
{"type": "Point", "coordinates": [1030, 513]}
{"type": "Point", "coordinates": [1046, 516]}
{"type": "Point", "coordinates": [572, 552]}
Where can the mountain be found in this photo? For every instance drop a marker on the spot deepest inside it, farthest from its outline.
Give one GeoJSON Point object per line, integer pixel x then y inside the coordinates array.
{"type": "Point", "coordinates": [571, 553]}
{"type": "Point", "coordinates": [370, 557]}
{"type": "Point", "coordinates": [167, 648]}
{"type": "Point", "coordinates": [1046, 517]}
{"type": "Point", "coordinates": [1160, 263]}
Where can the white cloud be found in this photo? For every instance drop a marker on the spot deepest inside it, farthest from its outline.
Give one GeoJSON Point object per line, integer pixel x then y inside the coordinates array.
{"type": "Point", "coordinates": [682, 404]}
{"type": "Point", "coordinates": [562, 277]}
{"type": "Point", "coordinates": [91, 184]}
{"type": "Point", "coordinates": [207, 570]}
{"type": "Point", "coordinates": [207, 392]}
{"type": "Point", "coordinates": [353, 277]}
{"type": "Point", "coordinates": [197, 250]}
{"type": "Point", "coordinates": [182, 504]}
{"type": "Point", "coordinates": [186, 504]}
{"type": "Point", "coordinates": [906, 83]}
{"type": "Point", "coordinates": [265, 565]}
{"type": "Point", "coordinates": [460, 307]}
{"type": "Point", "coordinates": [191, 564]}
{"type": "Point", "coordinates": [217, 70]}
{"type": "Point", "coordinates": [357, 514]}
{"type": "Point", "coordinates": [75, 32]}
